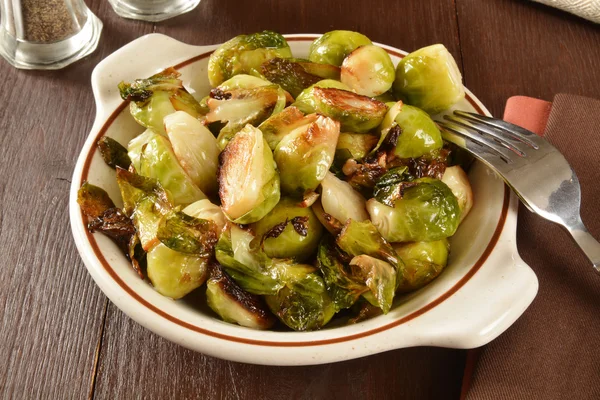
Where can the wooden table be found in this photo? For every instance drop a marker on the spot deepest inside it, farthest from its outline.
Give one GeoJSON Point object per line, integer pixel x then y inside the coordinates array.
{"type": "Point", "coordinates": [60, 338]}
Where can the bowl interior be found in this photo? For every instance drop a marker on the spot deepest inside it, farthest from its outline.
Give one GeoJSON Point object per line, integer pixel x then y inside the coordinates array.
{"type": "Point", "coordinates": [469, 247]}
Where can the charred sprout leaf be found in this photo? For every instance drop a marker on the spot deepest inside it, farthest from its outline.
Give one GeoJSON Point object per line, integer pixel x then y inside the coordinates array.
{"type": "Point", "coordinates": [341, 201]}
{"type": "Point", "coordinates": [248, 179]}
{"type": "Point", "coordinates": [423, 262]}
{"type": "Point", "coordinates": [391, 185]}
{"type": "Point", "coordinates": [458, 182]}
{"type": "Point", "coordinates": [233, 304]}
{"type": "Point", "coordinates": [332, 47]}
{"type": "Point", "coordinates": [426, 212]}
{"type": "Point", "coordinates": [116, 225]}
{"type": "Point", "coordinates": [368, 70]}
{"type": "Point", "coordinates": [363, 311]}
{"type": "Point", "coordinates": [291, 76]}
{"type": "Point", "coordinates": [186, 234]}
{"type": "Point", "coordinates": [158, 161]}
{"type": "Point", "coordinates": [358, 238]}
{"type": "Point", "coordinates": [357, 144]}
{"type": "Point", "coordinates": [204, 209]}
{"type": "Point", "coordinates": [305, 155]}
{"type": "Point", "coordinates": [429, 79]}
{"type": "Point", "coordinates": [137, 255]}
{"type": "Point", "coordinates": [174, 274]}
{"type": "Point", "coordinates": [154, 98]}
{"type": "Point", "coordinates": [289, 231]}
{"type": "Point", "coordinates": [362, 175]}
{"type": "Point", "coordinates": [195, 148]}
{"type": "Point", "coordinates": [249, 267]}
{"type": "Point", "coordinates": [303, 303]}
{"type": "Point", "coordinates": [379, 276]}
{"type": "Point", "coordinates": [430, 165]}
{"type": "Point", "coordinates": [244, 54]}
{"type": "Point", "coordinates": [93, 200]}
{"type": "Point", "coordinates": [113, 153]}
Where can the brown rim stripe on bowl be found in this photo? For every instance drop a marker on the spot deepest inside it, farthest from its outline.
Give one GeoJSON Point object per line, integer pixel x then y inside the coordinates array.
{"type": "Point", "coordinates": [195, 328]}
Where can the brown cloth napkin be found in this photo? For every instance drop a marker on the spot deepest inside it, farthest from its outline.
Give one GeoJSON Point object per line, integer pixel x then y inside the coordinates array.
{"type": "Point", "coordinates": [553, 350]}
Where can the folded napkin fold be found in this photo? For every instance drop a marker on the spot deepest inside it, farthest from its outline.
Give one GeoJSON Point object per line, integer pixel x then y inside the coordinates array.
{"type": "Point", "coordinates": [588, 9]}
{"type": "Point", "coordinates": [553, 350]}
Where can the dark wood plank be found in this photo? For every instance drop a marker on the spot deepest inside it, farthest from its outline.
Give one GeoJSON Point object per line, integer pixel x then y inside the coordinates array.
{"type": "Point", "coordinates": [134, 360]}
{"type": "Point", "coordinates": [522, 48]}
{"type": "Point", "coordinates": [52, 312]}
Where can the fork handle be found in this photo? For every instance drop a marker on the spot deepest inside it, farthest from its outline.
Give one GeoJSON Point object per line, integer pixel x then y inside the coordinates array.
{"type": "Point", "coordinates": [586, 242]}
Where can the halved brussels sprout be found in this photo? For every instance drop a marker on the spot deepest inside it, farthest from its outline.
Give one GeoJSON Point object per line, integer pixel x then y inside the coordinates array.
{"type": "Point", "coordinates": [158, 161]}
{"type": "Point", "coordinates": [357, 144]}
{"type": "Point", "coordinates": [429, 79]}
{"type": "Point", "coordinates": [186, 234]}
{"type": "Point", "coordinates": [243, 81]}
{"type": "Point", "coordinates": [277, 126]}
{"type": "Point", "coordinates": [358, 238]}
{"type": "Point", "coordinates": [458, 181]}
{"type": "Point", "coordinates": [379, 276]}
{"type": "Point", "coordinates": [204, 209]}
{"type": "Point", "coordinates": [368, 70]}
{"type": "Point", "coordinates": [341, 201]}
{"type": "Point", "coordinates": [154, 98]}
{"type": "Point", "coordinates": [324, 71]}
{"type": "Point", "coordinates": [304, 156]}
{"type": "Point", "coordinates": [113, 153]}
{"type": "Point", "coordinates": [332, 47]}
{"type": "Point", "coordinates": [303, 303]}
{"type": "Point", "coordinates": [289, 231]}
{"type": "Point", "coordinates": [305, 101]}
{"type": "Point", "coordinates": [174, 274]}
{"type": "Point", "coordinates": [427, 211]}
{"type": "Point", "coordinates": [196, 149]}
{"type": "Point", "coordinates": [423, 262]}
{"type": "Point", "coordinates": [355, 113]}
{"type": "Point", "coordinates": [248, 179]}
{"type": "Point", "coordinates": [249, 267]}
{"type": "Point", "coordinates": [290, 75]}
{"type": "Point", "coordinates": [245, 54]}
{"type": "Point", "coordinates": [233, 304]}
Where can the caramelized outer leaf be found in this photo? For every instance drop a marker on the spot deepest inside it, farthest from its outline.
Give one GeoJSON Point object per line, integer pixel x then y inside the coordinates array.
{"type": "Point", "coordinates": [186, 234]}
{"type": "Point", "coordinates": [93, 200]}
{"type": "Point", "coordinates": [113, 153]}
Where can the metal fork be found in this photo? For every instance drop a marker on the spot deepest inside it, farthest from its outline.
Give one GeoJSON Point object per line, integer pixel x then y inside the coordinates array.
{"type": "Point", "coordinates": [535, 170]}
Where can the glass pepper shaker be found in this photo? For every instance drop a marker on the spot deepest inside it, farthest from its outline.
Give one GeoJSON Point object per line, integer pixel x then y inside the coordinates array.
{"type": "Point", "coordinates": [152, 10]}
{"type": "Point", "coordinates": [47, 34]}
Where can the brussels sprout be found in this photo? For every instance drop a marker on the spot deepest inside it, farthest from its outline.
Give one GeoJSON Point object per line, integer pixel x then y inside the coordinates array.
{"type": "Point", "coordinates": [358, 238]}
{"type": "Point", "coordinates": [158, 161]}
{"type": "Point", "coordinates": [357, 144]}
{"type": "Point", "coordinates": [249, 267]}
{"type": "Point", "coordinates": [306, 102]}
{"type": "Point", "coordinates": [324, 71]}
{"type": "Point", "coordinates": [304, 156]}
{"type": "Point", "coordinates": [390, 187]}
{"type": "Point", "coordinates": [368, 70]}
{"type": "Point", "coordinates": [341, 201]}
{"type": "Point", "coordinates": [355, 113]}
{"type": "Point", "coordinates": [277, 126]}
{"type": "Point", "coordinates": [146, 202]}
{"type": "Point", "coordinates": [248, 179]}
{"type": "Point", "coordinates": [427, 211]}
{"type": "Point", "coordinates": [204, 209]}
{"type": "Point", "coordinates": [135, 146]}
{"type": "Point", "coordinates": [93, 200]}
{"type": "Point", "coordinates": [303, 303]}
{"type": "Point", "coordinates": [154, 98]}
{"type": "Point", "coordinates": [174, 274]}
{"type": "Point", "coordinates": [289, 231]}
{"type": "Point", "coordinates": [332, 47]}
{"type": "Point", "coordinates": [186, 234]}
{"type": "Point", "coordinates": [387, 97]}
{"type": "Point", "coordinates": [458, 181]}
{"type": "Point", "coordinates": [238, 107]}
{"type": "Point", "coordinates": [291, 76]}
{"type": "Point", "coordinates": [379, 276]}
{"type": "Point", "coordinates": [423, 262]}
{"type": "Point", "coordinates": [113, 153]}
{"type": "Point", "coordinates": [196, 149]}
{"type": "Point", "coordinates": [245, 54]}
{"type": "Point", "coordinates": [243, 81]}
{"type": "Point", "coordinates": [429, 79]}
{"type": "Point", "coordinates": [233, 304]}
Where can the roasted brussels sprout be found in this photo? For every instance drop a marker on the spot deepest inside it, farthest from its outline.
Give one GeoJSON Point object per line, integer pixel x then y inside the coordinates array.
{"type": "Point", "coordinates": [429, 79]}
{"type": "Point", "coordinates": [355, 113]}
{"type": "Point", "coordinates": [458, 181]}
{"type": "Point", "coordinates": [324, 71]}
{"type": "Point", "coordinates": [248, 179]}
{"type": "Point", "coordinates": [158, 161]}
{"type": "Point", "coordinates": [245, 54]}
{"type": "Point", "coordinates": [332, 47]}
{"type": "Point", "coordinates": [423, 262]}
{"type": "Point", "coordinates": [233, 304]}
{"type": "Point", "coordinates": [306, 102]}
{"type": "Point", "coordinates": [341, 201]}
{"type": "Point", "coordinates": [186, 234]}
{"type": "Point", "coordinates": [113, 153]}
{"type": "Point", "coordinates": [242, 81]}
{"type": "Point", "coordinates": [379, 276]}
{"type": "Point", "coordinates": [196, 149]}
{"type": "Point", "coordinates": [358, 238]}
{"type": "Point", "coordinates": [277, 126]}
{"type": "Point", "coordinates": [154, 98]}
{"type": "Point", "coordinates": [303, 303]}
{"type": "Point", "coordinates": [304, 156]}
{"type": "Point", "coordinates": [390, 187]}
{"type": "Point", "coordinates": [204, 209]}
{"type": "Point", "coordinates": [290, 75]}
{"type": "Point", "coordinates": [368, 70]}
{"type": "Point", "coordinates": [357, 144]}
{"type": "Point", "coordinates": [289, 231]}
{"type": "Point", "coordinates": [174, 274]}
{"type": "Point", "coordinates": [249, 267]}
{"type": "Point", "coordinates": [427, 211]}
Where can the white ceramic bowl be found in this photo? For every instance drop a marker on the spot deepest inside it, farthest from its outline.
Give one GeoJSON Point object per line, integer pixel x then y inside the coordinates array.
{"type": "Point", "coordinates": [484, 289]}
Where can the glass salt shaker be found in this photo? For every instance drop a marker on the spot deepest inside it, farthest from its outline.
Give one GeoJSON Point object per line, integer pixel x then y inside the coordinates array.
{"type": "Point", "coordinates": [47, 34]}
{"type": "Point", "coordinates": [152, 10]}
